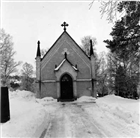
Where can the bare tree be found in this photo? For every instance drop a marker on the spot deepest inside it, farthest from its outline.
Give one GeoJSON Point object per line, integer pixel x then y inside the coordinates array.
{"type": "Point", "coordinates": [43, 52]}
{"type": "Point", "coordinates": [109, 8]}
{"type": "Point", "coordinates": [8, 65]}
{"type": "Point", "coordinates": [86, 43]}
{"type": "Point", "coordinates": [27, 80]}
{"type": "Point", "coordinates": [112, 66]}
{"type": "Point", "coordinates": [102, 74]}
{"type": "Point", "coordinates": [27, 70]}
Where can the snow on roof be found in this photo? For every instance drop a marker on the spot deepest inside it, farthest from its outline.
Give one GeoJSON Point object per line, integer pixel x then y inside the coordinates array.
{"type": "Point", "coordinates": [74, 67]}
{"type": "Point", "coordinates": [58, 67]}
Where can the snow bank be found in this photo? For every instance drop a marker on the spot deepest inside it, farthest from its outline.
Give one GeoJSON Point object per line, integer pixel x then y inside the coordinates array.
{"type": "Point", "coordinates": [46, 100]}
{"type": "Point", "coordinates": [26, 114]}
{"type": "Point", "coordinates": [24, 122]}
{"type": "Point", "coordinates": [26, 95]}
{"type": "Point", "coordinates": [117, 117]}
{"type": "Point", "coordinates": [127, 109]}
{"type": "Point", "coordinates": [86, 99]}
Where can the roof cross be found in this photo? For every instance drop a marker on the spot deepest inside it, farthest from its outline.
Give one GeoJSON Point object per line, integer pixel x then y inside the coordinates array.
{"type": "Point", "coordinates": [64, 25]}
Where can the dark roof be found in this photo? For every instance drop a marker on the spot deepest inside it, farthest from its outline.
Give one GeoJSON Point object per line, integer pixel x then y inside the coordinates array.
{"type": "Point", "coordinates": [58, 39]}
{"type": "Point", "coordinates": [38, 54]}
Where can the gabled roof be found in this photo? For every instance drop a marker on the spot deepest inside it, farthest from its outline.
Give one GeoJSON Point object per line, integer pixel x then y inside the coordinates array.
{"type": "Point", "coordinates": [60, 38]}
{"type": "Point", "coordinates": [62, 62]}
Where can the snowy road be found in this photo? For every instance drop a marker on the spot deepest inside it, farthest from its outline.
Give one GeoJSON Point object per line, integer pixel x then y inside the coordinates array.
{"type": "Point", "coordinates": [111, 116]}
{"type": "Point", "coordinates": [72, 120]}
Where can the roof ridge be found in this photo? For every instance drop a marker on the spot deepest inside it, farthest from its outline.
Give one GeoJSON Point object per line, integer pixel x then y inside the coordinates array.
{"type": "Point", "coordinates": [53, 44]}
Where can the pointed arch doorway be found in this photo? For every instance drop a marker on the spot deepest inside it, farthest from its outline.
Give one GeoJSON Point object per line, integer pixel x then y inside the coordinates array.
{"type": "Point", "coordinates": [66, 88]}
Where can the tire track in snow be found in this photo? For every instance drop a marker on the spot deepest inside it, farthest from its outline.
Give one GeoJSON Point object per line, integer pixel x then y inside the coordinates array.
{"type": "Point", "coordinates": [56, 127]}
{"type": "Point", "coordinates": [82, 124]}
{"type": "Point", "coordinates": [71, 121]}
{"type": "Point", "coordinates": [45, 125]}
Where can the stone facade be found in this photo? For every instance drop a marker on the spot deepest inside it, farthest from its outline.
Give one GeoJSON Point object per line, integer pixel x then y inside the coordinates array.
{"type": "Point", "coordinates": [64, 57]}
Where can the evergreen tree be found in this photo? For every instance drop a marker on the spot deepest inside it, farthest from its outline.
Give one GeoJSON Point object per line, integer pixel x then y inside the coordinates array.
{"type": "Point", "coordinates": [125, 46]}
{"type": "Point", "coordinates": [120, 83]}
{"type": "Point", "coordinates": [126, 32]}
{"type": "Point", "coordinates": [86, 44]}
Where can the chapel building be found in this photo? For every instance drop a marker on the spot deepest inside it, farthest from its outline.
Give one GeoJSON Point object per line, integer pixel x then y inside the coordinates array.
{"type": "Point", "coordinates": [65, 72]}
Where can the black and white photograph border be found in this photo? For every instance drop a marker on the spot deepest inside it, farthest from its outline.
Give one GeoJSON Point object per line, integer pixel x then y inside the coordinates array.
{"type": "Point", "coordinates": [70, 68]}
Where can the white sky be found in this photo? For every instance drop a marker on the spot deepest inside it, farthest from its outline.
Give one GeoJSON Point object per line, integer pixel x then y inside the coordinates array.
{"type": "Point", "coordinates": [27, 22]}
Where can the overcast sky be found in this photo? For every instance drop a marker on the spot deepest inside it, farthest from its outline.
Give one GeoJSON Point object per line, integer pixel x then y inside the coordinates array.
{"type": "Point", "coordinates": [28, 22]}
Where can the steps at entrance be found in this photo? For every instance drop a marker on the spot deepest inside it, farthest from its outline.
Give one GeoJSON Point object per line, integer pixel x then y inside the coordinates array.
{"type": "Point", "coordinates": [66, 100]}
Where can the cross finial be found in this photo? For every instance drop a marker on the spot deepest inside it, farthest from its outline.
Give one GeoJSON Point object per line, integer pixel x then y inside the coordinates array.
{"type": "Point", "coordinates": [64, 25]}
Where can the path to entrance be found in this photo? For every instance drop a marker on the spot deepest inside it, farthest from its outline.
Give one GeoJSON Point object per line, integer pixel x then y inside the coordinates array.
{"type": "Point", "coordinates": [72, 120]}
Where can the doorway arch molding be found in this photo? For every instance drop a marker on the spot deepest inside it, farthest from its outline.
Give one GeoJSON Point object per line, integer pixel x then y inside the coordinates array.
{"type": "Point", "coordinates": [66, 68]}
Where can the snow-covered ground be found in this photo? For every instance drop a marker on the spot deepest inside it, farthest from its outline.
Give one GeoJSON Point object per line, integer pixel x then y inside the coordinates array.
{"type": "Point", "coordinates": [109, 116]}
{"type": "Point", "coordinates": [116, 116]}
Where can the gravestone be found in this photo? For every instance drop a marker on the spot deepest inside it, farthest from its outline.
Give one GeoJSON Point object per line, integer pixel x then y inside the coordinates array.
{"type": "Point", "coordinates": [4, 105]}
